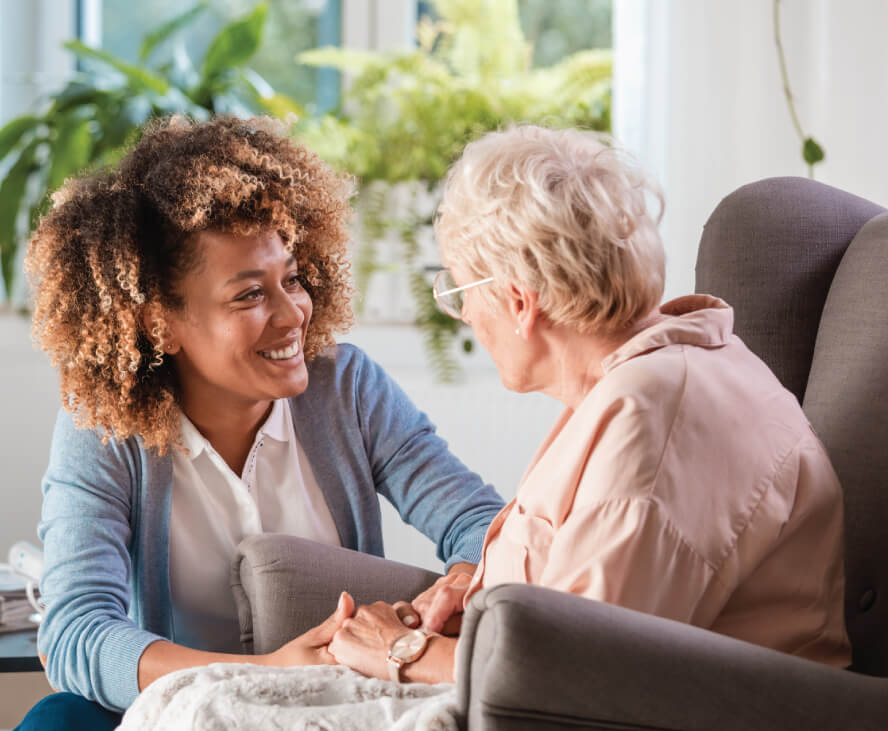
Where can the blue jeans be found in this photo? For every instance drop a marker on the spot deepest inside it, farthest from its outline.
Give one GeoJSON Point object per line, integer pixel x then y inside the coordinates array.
{"type": "Point", "coordinates": [68, 712]}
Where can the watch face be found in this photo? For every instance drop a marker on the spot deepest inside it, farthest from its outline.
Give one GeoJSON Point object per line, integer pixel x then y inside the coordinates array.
{"type": "Point", "coordinates": [409, 645]}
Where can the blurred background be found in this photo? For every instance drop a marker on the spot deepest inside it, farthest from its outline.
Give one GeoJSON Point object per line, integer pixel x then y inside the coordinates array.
{"type": "Point", "coordinates": [708, 94]}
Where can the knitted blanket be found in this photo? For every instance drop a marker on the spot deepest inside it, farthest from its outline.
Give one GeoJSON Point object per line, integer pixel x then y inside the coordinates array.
{"type": "Point", "coordinates": [245, 697]}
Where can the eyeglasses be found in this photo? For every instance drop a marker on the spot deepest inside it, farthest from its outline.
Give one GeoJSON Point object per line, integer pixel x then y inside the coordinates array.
{"type": "Point", "coordinates": [449, 296]}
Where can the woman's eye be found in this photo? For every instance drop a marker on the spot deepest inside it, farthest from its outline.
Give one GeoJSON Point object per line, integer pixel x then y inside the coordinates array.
{"type": "Point", "coordinates": [249, 296]}
{"type": "Point", "coordinates": [294, 281]}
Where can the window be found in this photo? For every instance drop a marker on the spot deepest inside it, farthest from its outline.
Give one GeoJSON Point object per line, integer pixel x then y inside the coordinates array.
{"type": "Point", "coordinates": [291, 26]}
{"type": "Point", "coordinates": [558, 29]}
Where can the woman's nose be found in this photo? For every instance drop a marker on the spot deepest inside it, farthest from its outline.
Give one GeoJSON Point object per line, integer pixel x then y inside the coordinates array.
{"type": "Point", "coordinates": [289, 309]}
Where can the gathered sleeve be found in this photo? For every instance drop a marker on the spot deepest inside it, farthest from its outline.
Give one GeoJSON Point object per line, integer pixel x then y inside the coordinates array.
{"type": "Point", "coordinates": [591, 517]}
{"type": "Point", "coordinates": [626, 552]}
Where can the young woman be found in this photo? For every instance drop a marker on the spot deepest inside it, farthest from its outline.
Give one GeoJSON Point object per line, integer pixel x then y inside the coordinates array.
{"type": "Point", "coordinates": [189, 299]}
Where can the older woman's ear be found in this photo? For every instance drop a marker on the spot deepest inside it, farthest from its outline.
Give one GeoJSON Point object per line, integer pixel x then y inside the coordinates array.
{"type": "Point", "coordinates": [523, 307]}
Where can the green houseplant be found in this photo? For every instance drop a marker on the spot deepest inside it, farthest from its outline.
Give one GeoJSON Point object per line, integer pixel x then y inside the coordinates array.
{"type": "Point", "coordinates": [406, 116]}
{"type": "Point", "coordinates": [89, 122]}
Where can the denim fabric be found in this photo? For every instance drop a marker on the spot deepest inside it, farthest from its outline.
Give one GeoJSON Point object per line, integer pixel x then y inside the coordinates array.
{"type": "Point", "coordinates": [68, 712]}
{"type": "Point", "coordinates": [106, 512]}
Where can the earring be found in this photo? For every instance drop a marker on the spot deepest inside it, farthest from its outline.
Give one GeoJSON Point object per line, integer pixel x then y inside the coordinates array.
{"type": "Point", "coordinates": [517, 332]}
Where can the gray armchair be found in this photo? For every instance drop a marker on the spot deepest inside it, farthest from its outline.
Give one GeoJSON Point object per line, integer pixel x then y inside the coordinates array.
{"type": "Point", "coordinates": [805, 267]}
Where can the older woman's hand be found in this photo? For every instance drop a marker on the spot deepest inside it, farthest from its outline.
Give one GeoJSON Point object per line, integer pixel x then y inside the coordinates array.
{"type": "Point", "coordinates": [440, 607]}
{"type": "Point", "coordinates": [363, 641]}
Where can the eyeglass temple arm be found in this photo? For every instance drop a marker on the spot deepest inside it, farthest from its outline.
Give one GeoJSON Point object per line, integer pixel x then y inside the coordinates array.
{"type": "Point", "coordinates": [465, 286]}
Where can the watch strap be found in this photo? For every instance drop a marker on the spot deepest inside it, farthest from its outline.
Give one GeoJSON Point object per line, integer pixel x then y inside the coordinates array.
{"type": "Point", "coordinates": [394, 667]}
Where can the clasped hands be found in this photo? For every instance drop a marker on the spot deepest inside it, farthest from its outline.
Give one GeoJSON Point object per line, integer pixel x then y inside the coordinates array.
{"type": "Point", "coordinates": [360, 637]}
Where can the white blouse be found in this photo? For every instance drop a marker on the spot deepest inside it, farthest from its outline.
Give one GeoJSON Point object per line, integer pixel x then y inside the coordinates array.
{"type": "Point", "coordinates": [213, 509]}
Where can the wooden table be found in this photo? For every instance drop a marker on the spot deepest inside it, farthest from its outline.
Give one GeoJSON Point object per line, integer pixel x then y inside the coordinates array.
{"type": "Point", "coordinates": [18, 652]}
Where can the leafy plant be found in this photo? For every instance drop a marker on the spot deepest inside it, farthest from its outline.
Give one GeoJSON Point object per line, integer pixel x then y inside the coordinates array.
{"type": "Point", "coordinates": [89, 122]}
{"type": "Point", "coordinates": [406, 116]}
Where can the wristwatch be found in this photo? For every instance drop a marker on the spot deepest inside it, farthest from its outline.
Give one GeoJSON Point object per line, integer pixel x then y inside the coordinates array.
{"type": "Point", "coordinates": [405, 649]}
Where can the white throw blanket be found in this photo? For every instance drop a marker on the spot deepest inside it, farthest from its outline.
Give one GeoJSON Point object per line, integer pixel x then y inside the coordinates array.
{"type": "Point", "coordinates": [244, 697]}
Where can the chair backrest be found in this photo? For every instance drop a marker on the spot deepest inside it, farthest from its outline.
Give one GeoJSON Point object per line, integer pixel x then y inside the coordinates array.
{"type": "Point", "coordinates": [805, 267]}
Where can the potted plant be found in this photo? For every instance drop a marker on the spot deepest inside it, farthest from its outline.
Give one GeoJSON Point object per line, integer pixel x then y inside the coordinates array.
{"type": "Point", "coordinates": [407, 115]}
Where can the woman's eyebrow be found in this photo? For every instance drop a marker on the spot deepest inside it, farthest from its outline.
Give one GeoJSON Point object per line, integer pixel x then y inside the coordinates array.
{"type": "Point", "coordinates": [249, 273]}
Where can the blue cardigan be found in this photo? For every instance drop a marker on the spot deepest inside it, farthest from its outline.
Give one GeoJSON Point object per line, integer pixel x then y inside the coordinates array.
{"type": "Point", "coordinates": [106, 515]}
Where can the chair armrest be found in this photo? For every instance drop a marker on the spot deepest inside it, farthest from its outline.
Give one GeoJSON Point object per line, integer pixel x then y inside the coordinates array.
{"type": "Point", "coordinates": [284, 586]}
{"type": "Point", "coordinates": [530, 657]}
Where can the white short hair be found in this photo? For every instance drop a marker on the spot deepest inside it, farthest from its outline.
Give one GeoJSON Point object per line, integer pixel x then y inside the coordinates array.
{"type": "Point", "coordinates": [562, 212]}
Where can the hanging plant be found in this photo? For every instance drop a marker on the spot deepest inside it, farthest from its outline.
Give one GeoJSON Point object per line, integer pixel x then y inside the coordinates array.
{"type": "Point", "coordinates": [407, 116]}
{"type": "Point", "coordinates": [812, 152]}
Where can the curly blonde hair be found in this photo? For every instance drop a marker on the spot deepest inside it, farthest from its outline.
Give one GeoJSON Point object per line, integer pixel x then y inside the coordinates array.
{"type": "Point", "coordinates": [119, 241]}
{"type": "Point", "coordinates": [562, 212]}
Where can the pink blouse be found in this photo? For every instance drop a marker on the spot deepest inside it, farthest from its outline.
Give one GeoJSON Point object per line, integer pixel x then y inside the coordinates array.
{"type": "Point", "coordinates": [688, 484]}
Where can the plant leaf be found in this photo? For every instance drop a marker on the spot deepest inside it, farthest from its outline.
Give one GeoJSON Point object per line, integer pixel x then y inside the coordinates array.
{"type": "Point", "coordinates": [274, 103]}
{"type": "Point", "coordinates": [69, 151]}
{"type": "Point", "coordinates": [161, 33]}
{"type": "Point", "coordinates": [77, 94]}
{"type": "Point", "coordinates": [281, 106]}
{"type": "Point", "coordinates": [234, 45]}
{"type": "Point", "coordinates": [12, 191]}
{"type": "Point", "coordinates": [12, 132]}
{"type": "Point", "coordinates": [812, 152]}
{"type": "Point", "coordinates": [341, 59]}
{"type": "Point", "coordinates": [137, 76]}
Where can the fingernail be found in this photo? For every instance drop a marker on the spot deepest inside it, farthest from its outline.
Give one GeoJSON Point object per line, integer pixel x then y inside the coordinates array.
{"type": "Point", "coordinates": [409, 620]}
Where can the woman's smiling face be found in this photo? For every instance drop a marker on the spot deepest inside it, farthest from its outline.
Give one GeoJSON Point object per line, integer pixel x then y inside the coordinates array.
{"type": "Point", "coordinates": [239, 339]}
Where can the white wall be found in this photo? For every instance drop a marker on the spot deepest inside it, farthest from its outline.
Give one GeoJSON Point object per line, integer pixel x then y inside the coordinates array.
{"type": "Point", "coordinates": [698, 98]}
{"type": "Point", "coordinates": [28, 403]}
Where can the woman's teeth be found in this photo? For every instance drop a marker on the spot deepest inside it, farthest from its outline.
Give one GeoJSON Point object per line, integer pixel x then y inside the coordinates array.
{"type": "Point", "coordinates": [283, 354]}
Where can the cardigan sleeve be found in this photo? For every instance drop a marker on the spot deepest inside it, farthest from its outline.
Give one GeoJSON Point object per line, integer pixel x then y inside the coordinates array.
{"type": "Point", "coordinates": [413, 469]}
{"type": "Point", "coordinates": [92, 647]}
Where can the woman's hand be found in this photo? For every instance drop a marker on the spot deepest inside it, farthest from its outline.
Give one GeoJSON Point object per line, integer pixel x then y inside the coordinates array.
{"type": "Point", "coordinates": [310, 648]}
{"type": "Point", "coordinates": [363, 641]}
{"type": "Point", "coordinates": [440, 607]}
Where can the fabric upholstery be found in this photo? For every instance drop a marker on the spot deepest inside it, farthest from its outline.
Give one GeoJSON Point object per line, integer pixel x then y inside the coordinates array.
{"type": "Point", "coordinates": [770, 250]}
{"type": "Point", "coordinates": [847, 403]}
{"type": "Point", "coordinates": [533, 658]}
{"type": "Point", "coordinates": [284, 586]}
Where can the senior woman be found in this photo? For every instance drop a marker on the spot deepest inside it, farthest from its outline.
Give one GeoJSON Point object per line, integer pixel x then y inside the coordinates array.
{"type": "Point", "coordinates": [188, 299]}
{"type": "Point", "coordinates": [682, 479]}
